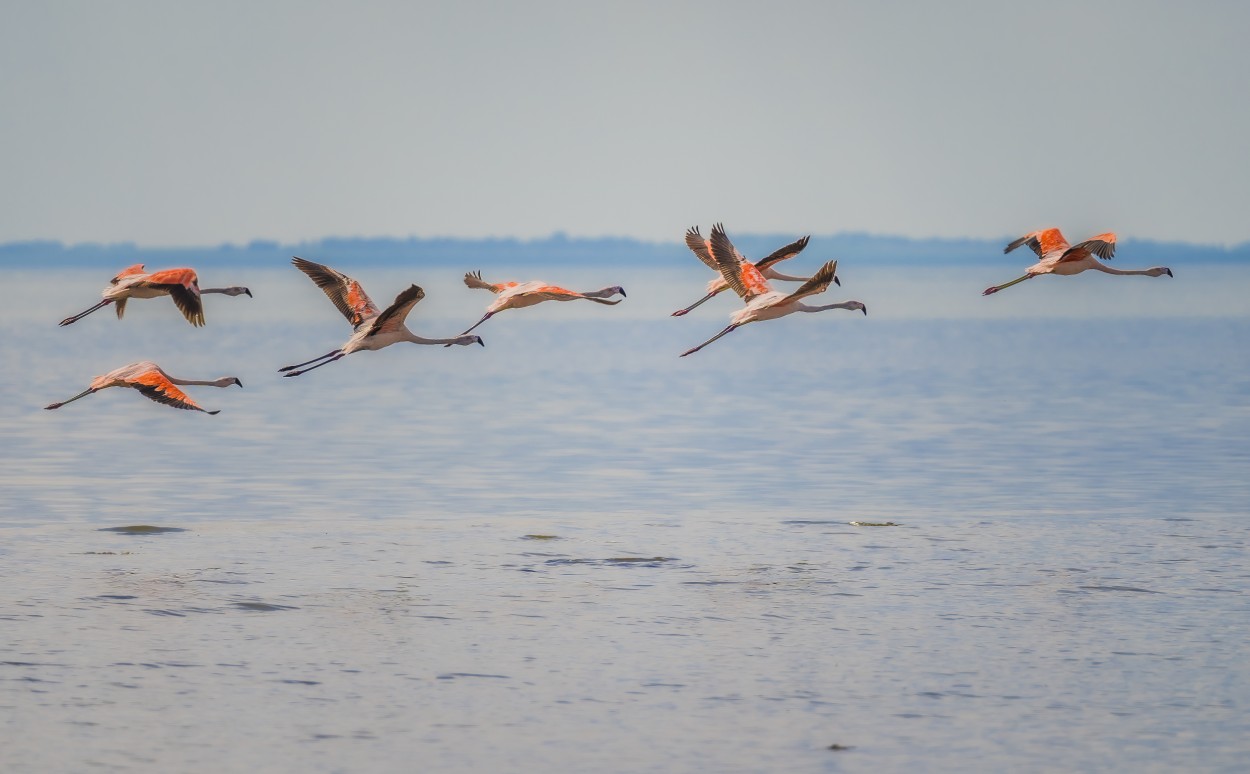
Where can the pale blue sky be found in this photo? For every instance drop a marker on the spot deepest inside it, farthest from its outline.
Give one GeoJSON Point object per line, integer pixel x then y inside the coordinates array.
{"type": "Point", "coordinates": [170, 123]}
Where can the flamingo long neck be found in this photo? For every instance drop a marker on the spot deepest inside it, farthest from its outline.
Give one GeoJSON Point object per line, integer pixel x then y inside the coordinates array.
{"type": "Point", "coordinates": [1100, 266]}
{"type": "Point", "coordinates": [224, 381]}
{"type": "Point", "coordinates": [461, 339]}
{"type": "Point", "coordinates": [230, 291]}
{"type": "Point", "coordinates": [604, 293]}
{"type": "Point", "coordinates": [774, 274]}
{"type": "Point", "coordinates": [842, 305]}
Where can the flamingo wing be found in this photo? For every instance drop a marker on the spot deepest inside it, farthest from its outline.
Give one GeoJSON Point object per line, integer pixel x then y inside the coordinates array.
{"type": "Point", "coordinates": [346, 293]}
{"type": "Point", "coordinates": [1041, 242]}
{"type": "Point", "coordinates": [474, 280]}
{"type": "Point", "coordinates": [129, 271]}
{"type": "Point", "coordinates": [819, 283]}
{"type": "Point", "coordinates": [156, 386]}
{"type": "Point", "coordinates": [739, 274]}
{"type": "Point", "coordinates": [553, 293]}
{"type": "Point", "coordinates": [789, 251]}
{"type": "Point", "coordinates": [183, 287]}
{"type": "Point", "coordinates": [1102, 246]}
{"type": "Point", "coordinates": [393, 316]}
{"type": "Point", "coordinates": [699, 246]}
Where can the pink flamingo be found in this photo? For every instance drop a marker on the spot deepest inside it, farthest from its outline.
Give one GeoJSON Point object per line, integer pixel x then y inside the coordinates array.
{"type": "Point", "coordinates": [374, 329]}
{"type": "Point", "coordinates": [516, 295]}
{"type": "Point", "coordinates": [702, 248]}
{"type": "Point", "coordinates": [180, 284]}
{"type": "Point", "coordinates": [152, 382]}
{"type": "Point", "coordinates": [1058, 258]}
{"type": "Point", "coordinates": [762, 302]}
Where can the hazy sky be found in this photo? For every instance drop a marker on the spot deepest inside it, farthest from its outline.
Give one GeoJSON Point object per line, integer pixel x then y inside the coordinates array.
{"type": "Point", "coordinates": [198, 123]}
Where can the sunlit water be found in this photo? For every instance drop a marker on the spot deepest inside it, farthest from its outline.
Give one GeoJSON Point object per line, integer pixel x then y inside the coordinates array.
{"type": "Point", "coordinates": [571, 550]}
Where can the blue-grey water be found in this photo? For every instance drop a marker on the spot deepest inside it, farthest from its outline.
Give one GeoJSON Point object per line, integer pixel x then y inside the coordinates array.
{"type": "Point", "coordinates": [573, 551]}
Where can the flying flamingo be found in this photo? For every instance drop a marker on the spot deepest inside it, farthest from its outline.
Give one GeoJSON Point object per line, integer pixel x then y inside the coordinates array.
{"type": "Point", "coordinates": [149, 379]}
{"type": "Point", "coordinates": [180, 284]}
{"type": "Point", "coordinates": [515, 295]}
{"type": "Point", "coordinates": [702, 248]}
{"type": "Point", "coordinates": [762, 302]}
{"type": "Point", "coordinates": [374, 329]}
{"type": "Point", "coordinates": [1058, 258]}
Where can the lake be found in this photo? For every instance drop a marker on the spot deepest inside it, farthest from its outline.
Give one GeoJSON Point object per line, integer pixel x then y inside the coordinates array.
{"type": "Point", "coordinates": [572, 550]}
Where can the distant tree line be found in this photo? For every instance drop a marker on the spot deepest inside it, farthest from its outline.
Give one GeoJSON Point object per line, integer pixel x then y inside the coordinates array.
{"type": "Point", "coordinates": [564, 250]}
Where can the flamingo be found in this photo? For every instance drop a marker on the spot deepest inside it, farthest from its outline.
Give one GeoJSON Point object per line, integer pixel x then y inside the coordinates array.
{"type": "Point", "coordinates": [374, 329]}
{"type": "Point", "coordinates": [1058, 258]}
{"type": "Point", "coordinates": [180, 284]}
{"type": "Point", "coordinates": [702, 248]}
{"type": "Point", "coordinates": [515, 295]}
{"type": "Point", "coordinates": [151, 380]}
{"type": "Point", "coordinates": [762, 302]}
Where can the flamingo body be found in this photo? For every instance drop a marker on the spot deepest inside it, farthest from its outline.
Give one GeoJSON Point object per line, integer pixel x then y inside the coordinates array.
{"type": "Point", "coordinates": [518, 295]}
{"type": "Point", "coordinates": [182, 285]}
{"type": "Point", "coordinates": [1058, 257]}
{"type": "Point", "coordinates": [153, 383]}
{"type": "Point", "coordinates": [374, 330]}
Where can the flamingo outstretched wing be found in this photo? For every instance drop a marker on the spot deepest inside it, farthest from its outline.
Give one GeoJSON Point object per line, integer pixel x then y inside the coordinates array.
{"type": "Point", "coordinates": [777, 256]}
{"type": "Point", "coordinates": [154, 385]}
{"type": "Point", "coordinates": [743, 277]}
{"type": "Point", "coordinates": [819, 283]}
{"type": "Point", "coordinates": [346, 293]}
{"type": "Point", "coordinates": [474, 280]}
{"type": "Point", "coordinates": [393, 316]}
{"type": "Point", "coordinates": [1041, 242]}
{"type": "Point", "coordinates": [699, 246]}
{"type": "Point", "coordinates": [129, 271]}
{"type": "Point", "coordinates": [183, 287]}
{"type": "Point", "coordinates": [1102, 246]}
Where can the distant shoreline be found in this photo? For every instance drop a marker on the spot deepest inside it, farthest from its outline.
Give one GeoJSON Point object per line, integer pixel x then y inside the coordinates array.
{"type": "Point", "coordinates": [563, 250]}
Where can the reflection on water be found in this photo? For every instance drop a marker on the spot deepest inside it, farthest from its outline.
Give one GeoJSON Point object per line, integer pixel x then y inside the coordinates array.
{"type": "Point", "coordinates": [572, 549]}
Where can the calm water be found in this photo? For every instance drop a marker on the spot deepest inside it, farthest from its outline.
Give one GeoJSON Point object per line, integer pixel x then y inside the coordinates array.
{"type": "Point", "coordinates": [572, 550]}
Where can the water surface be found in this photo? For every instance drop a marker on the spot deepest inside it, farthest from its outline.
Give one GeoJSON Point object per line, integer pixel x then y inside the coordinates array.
{"type": "Point", "coordinates": [571, 549]}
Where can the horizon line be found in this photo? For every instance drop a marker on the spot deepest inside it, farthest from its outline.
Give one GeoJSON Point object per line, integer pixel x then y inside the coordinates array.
{"type": "Point", "coordinates": [555, 236]}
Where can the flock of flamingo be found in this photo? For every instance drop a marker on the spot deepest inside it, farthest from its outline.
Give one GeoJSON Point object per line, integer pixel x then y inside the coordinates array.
{"type": "Point", "coordinates": [374, 329]}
